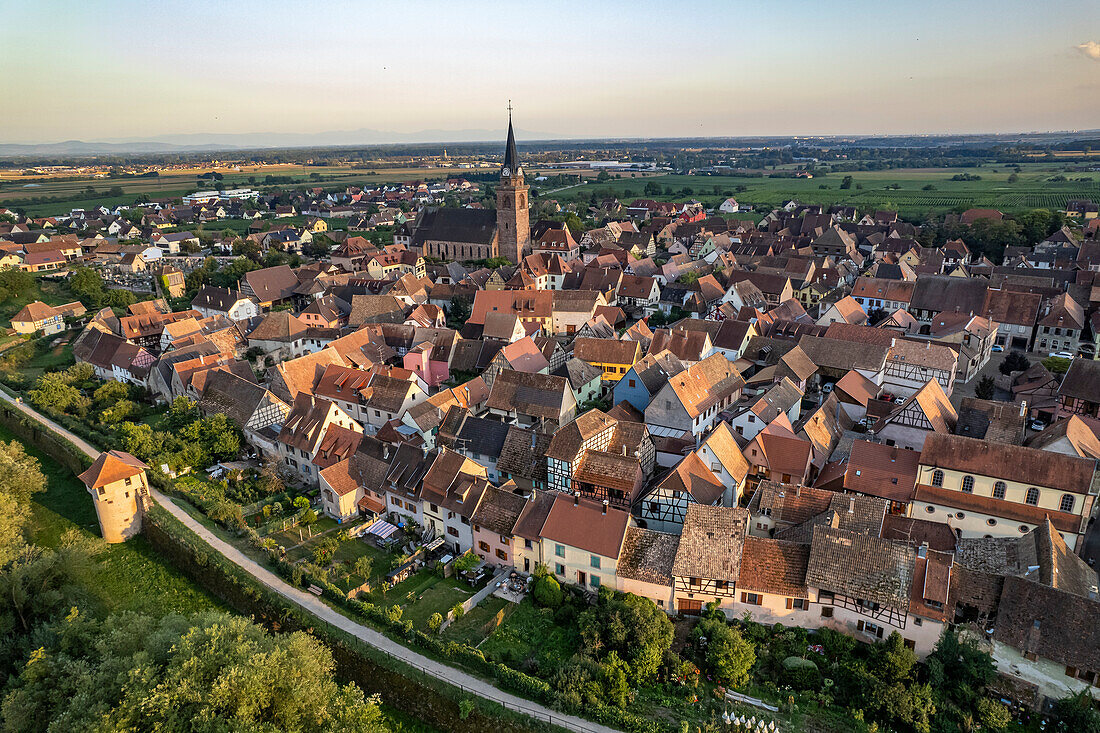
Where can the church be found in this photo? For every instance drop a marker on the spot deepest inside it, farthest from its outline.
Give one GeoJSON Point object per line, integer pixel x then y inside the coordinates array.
{"type": "Point", "coordinates": [478, 234]}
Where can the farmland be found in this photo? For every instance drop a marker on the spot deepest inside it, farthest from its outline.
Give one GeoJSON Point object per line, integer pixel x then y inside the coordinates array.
{"type": "Point", "coordinates": [912, 197]}
{"type": "Point", "coordinates": [914, 192]}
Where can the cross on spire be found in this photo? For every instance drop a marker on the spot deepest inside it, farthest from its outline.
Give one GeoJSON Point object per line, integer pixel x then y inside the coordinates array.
{"type": "Point", "coordinates": [509, 109]}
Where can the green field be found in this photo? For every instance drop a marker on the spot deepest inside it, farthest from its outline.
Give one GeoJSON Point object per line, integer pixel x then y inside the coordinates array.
{"type": "Point", "coordinates": [1031, 191]}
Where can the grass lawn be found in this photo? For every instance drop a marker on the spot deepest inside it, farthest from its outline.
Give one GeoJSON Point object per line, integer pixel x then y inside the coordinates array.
{"type": "Point", "coordinates": [423, 594]}
{"type": "Point", "coordinates": [529, 632]}
{"type": "Point", "coordinates": [476, 625]}
{"type": "Point", "coordinates": [124, 577]}
{"type": "Point", "coordinates": [49, 292]}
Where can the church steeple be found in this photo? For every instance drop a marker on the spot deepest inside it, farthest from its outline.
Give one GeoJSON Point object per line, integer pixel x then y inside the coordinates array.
{"type": "Point", "coordinates": [511, 158]}
{"type": "Point", "coordinates": [513, 222]}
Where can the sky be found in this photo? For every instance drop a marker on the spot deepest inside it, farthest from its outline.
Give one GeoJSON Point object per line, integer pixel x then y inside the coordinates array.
{"type": "Point", "coordinates": [98, 70]}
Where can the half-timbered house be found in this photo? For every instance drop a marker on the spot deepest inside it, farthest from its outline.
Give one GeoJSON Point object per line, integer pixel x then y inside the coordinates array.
{"type": "Point", "coordinates": [664, 506]}
{"type": "Point", "coordinates": [708, 559]}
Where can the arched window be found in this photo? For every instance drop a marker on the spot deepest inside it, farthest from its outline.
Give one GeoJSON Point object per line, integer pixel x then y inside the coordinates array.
{"type": "Point", "coordinates": [1066, 505]}
{"type": "Point", "coordinates": [1032, 496]}
{"type": "Point", "coordinates": [968, 484]}
{"type": "Point", "coordinates": [999, 490]}
{"type": "Point", "coordinates": [937, 478]}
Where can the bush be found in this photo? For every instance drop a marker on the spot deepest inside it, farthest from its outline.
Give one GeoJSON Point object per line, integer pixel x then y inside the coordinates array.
{"type": "Point", "coordinates": [801, 674]}
{"type": "Point", "coordinates": [435, 621]}
{"type": "Point", "coordinates": [547, 592]}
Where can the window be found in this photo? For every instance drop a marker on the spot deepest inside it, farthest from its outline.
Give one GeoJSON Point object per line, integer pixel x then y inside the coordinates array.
{"type": "Point", "coordinates": [594, 561]}
{"type": "Point", "coordinates": [827, 612]}
{"type": "Point", "coordinates": [968, 484]}
{"type": "Point", "coordinates": [694, 582]}
{"type": "Point", "coordinates": [721, 585]}
{"type": "Point", "coordinates": [452, 531]}
{"type": "Point", "coordinates": [753, 599]}
{"type": "Point", "coordinates": [559, 569]}
{"type": "Point", "coordinates": [937, 478]}
{"type": "Point", "coordinates": [1032, 497]}
{"type": "Point", "coordinates": [527, 545]}
{"type": "Point", "coordinates": [999, 490]}
{"type": "Point", "coordinates": [1066, 505]}
{"type": "Point", "coordinates": [869, 628]}
{"type": "Point", "coordinates": [594, 581]}
{"type": "Point", "coordinates": [483, 546]}
{"type": "Point", "coordinates": [631, 382]}
{"type": "Point", "coordinates": [825, 596]}
{"type": "Point", "coordinates": [129, 481]}
{"type": "Point", "coordinates": [394, 500]}
{"type": "Point", "coordinates": [502, 555]}
{"type": "Point", "coordinates": [799, 604]}
{"type": "Point", "coordinates": [559, 550]}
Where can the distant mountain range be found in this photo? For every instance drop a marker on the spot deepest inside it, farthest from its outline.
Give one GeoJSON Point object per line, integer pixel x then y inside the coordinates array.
{"type": "Point", "coordinates": [244, 141]}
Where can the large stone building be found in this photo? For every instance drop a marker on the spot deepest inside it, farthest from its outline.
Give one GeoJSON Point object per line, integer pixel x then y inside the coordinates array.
{"type": "Point", "coordinates": [478, 234]}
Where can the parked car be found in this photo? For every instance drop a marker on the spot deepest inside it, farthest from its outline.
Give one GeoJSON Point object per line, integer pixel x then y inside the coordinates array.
{"type": "Point", "coordinates": [997, 348]}
{"type": "Point", "coordinates": [886, 397]}
{"type": "Point", "coordinates": [1060, 355]}
{"type": "Point", "coordinates": [899, 400]}
{"type": "Point", "coordinates": [827, 388]}
{"type": "Point", "coordinates": [1038, 425]}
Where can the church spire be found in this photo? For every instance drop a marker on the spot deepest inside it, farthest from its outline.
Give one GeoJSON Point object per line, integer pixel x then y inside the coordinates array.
{"type": "Point", "coordinates": [511, 158]}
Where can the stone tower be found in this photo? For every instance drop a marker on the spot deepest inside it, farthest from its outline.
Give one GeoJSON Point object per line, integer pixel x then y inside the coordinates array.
{"type": "Point", "coordinates": [513, 222]}
{"type": "Point", "coordinates": [120, 491]}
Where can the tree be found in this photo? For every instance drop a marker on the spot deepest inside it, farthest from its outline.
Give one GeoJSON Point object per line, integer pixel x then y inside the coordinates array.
{"type": "Point", "coordinates": [467, 562]}
{"type": "Point", "coordinates": [435, 621]}
{"type": "Point", "coordinates": [547, 592]}
{"type": "Point", "coordinates": [729, 656]}
{"type": "Point", "coordinates": [53, 392]}
{"type": "Point", "coordinates": [109, 393]}
{"type": "Point", "coordinates": [1077, 713]}
{"type": "Point", "coordinates": [87, 286]}
{"type": "Point", "coordinates": [363, 567]}
{"type": "Point", "coordinates": [458, 311]}
{"type": "Point", "coordinates": [20, 478]}
{"type": "Point", "coordinates": [985, 388]}
{"type": "Point", "coordinates": [210, 673]}
{"type": "Point", "coordinates": [269, 481]}
{"type": "Point", "coordinates": [1014, 362]}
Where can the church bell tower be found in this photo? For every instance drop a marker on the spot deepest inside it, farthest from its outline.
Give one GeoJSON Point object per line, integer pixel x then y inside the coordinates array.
{"type": "Point", "coordinates": [513, 219]}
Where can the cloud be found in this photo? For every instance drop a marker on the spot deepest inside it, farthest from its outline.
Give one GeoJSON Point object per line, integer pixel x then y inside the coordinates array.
{"type": "Point", "coordinates": [1090, 49]}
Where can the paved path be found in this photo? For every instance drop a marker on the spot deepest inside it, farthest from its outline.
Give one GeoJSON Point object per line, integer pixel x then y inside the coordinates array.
{"type": "Point", "coordinates": [318, 608]}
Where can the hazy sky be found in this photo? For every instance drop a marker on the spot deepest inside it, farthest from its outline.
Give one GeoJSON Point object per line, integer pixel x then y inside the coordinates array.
{"type": "Point", "coordinates": [93, 70]}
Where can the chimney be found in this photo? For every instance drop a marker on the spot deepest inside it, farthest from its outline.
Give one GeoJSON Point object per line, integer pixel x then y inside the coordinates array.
{"type": "Point", "coordinates": [576, 499]}
{"type": "Point", "coordinates": [385, 451]}
{"type": "Point", "coordinates": [851, 505]}
{"type": "Point", "coordinates": [922, 551]}
{"type": "Point", "coordinates": [892, 342]}
{"type": "Point", "coordinates": [605, 506]}
{"type": "Point", "coordinates": [1092, 592]}
{"type": "Point", "coordinates": [1023, 409]}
